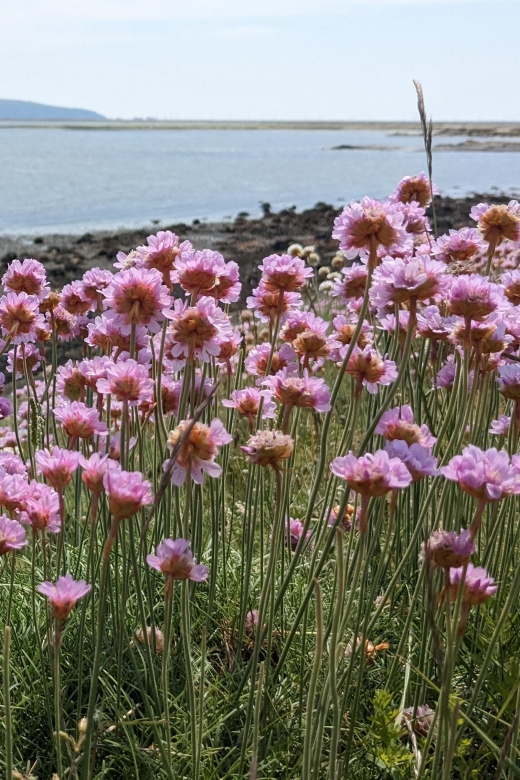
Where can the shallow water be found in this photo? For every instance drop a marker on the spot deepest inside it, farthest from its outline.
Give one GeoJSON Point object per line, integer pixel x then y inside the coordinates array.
{"type": "Point", "coordinates": [59, 180]}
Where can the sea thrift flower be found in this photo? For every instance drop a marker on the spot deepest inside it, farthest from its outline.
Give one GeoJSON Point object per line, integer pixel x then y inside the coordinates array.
{"type": "Point", "coordinates": [228, 286]}
{"type": "Point", "coordinates": [198, 451]}
{"type": "Point", "coordinates": [415, 219]}
{"type": "Point", "coordinates": [486, 475]}
{"type": "Point", "coordinates": [459, 246]}
{"type": "Point", "coordinates": [296, 531]}
{"type": "Point", "coordinates": [432, 325]}
{"type": "Point", "coordinates": [64, 594]}
{"type": "Point", "coordinates": [74, 300]}
{"type": "Point", "coordinates": [372, 475]}
{"type": "Point", "coordinates": [157, 635]}
{"type": "Point", "coordinates": [446, 376]}
{"type": "Point", "coordinates": [473, 297]}
{"type": "Point", "coordinates": [511, 285]}
{"type": "Point", "coordinates": [258, 359]}
{"type": "Point", "coordinates": [6, 408]}
{"type": "Point", "coordinates": [370, 369]}
{"type": "Point", "coordinates": [93, 370]}
{"type": "Point", "coordinates": [508, 381]}
{"type": "Point", "coordinates": [200, 274]}
{"type": "Point", "coordinates": [79, 421]}
{"type": "Point", "coordinates": [94, 470]}
{"type": "Point", "coordinates": [70, 381]}
{"type": "Point", "coordinates": [20, 316]}
{"type": "Point", "coordinates": [497, 223]}
{"type": "Point", "coordinates": [422, 721]}
{"type": "Point", "coordinates": [400, 281]}
{"type": "Point", "coordinates": [284, 273]}
{"type": "Point", "coordinates": [27, 276]}
{"type": "Point", "coordinates": [12, 535]}
{"type": "Point", "coordinates": [195, 331]}
{"type": "Point", "coordinates": [352, 284]}
{"type": "Point", "coordinates": [64, 323]}
{"type": "Point", "coordinates": [366, 224]}
{"type": "Point", "coordinates": [137, 297]}
{"type": "Point", "coordinates": [500, 427]}
{"type": "Point", "coordinates": [314, 344]}
{"type": "Point", "coordinates": [247, 403]}
{"type": "Point", "coordinates": [175, 559]}
{"type": "Point", "coordinates": [346, 521]}
{"type": "Point", "coordinates": [30, 355]}
{"type": "Point", "coordinates": [449, 549]}
{"type": "Point", "coordinates": [42, 508]}
{"type": "Point", "coordinates": [127, 381]}
{"type": "Point", "coordinates": [57, 466]}
{"type": "Point", "coordinates": [268, 448]}
{"type": "Point", "coordinates": [389, 323]}
{"type": "Point", "coordinates": [12, 464]}
{"type": "Point", "coordinates": [94, 281]}
{"type": "Point", "coordinates": [414, 189]}
{"type": "Point", "coordinates": [306, 392]}
{"type": "Point", "coordinates": [398, 423]}
{"type": "Point", "coordinates": [418, 459]}
{"type": "Point", "coordinates": [478, 585]}
{"type": "Point", "coordinates": [345, 329]}
{"type": "Point", "coordinates": [127, 492]}
{"type": "Point", "coordinates": [228, 347]}
{"type": "Point", "coordinates": [160, 252]}
{"type": "Point", "coordinates": [268, 305]}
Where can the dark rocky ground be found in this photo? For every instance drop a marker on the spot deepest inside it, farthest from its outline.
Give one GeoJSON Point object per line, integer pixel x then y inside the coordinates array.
{"type": "Point", "coordinates": [245, 240]}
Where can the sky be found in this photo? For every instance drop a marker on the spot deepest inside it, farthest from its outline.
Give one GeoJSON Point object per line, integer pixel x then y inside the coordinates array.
{"type": "Point", "coordinates": [265, 59]}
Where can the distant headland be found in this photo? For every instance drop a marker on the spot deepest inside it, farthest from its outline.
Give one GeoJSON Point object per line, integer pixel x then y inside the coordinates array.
{"type": "Point", "coordinates": [25, 110]}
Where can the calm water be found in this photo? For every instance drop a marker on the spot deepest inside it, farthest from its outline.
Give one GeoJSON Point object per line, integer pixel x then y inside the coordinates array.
{"type": "Point", "coordinates": [74, 180]}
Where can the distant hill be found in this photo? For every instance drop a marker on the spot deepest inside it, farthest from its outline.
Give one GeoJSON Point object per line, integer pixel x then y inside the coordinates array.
{"type": "Point", "coordinates": [23, 109]}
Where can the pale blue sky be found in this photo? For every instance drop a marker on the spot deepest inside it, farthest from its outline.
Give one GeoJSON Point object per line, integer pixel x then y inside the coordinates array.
{"type": "Point", "coordinates": [265, 59]}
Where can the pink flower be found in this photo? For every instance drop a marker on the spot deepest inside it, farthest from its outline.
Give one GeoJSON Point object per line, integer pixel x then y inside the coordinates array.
{"type": "Point", "coordinates": [6, 408]}
{"type": "Point", "coordinates": [79, 421]}
{"type": "Point", "coordinates": [258, 359]}
{"type": "Point", "coordinates": [70, 381]}
{"type": "Point", "coordinates": [12, 535]}
{"type": "Point", "coordinates": [198, 452]}
{"type": "Point", "coordinates": [369, 221]}
{"type": "Point", "coordinates": [313, 344]}
{"type": "Point", "coordinates": [372, 475]}
{"type": "Point", "coordinates": [31, 355]}
{"type": "Point", "coordinates": [207, 274]}
{"type": "Point", "coordinates": [137, 297]}
{"type": "Point", "coordinates": [398, 423]}
{"type": "Point", "coordinates": [497, 223]}
{"type": "Point", "coordinates": [94, 470]}
{"type": "Point", "coordinates": [450, 550]}
{"type": "Point", "coordinates": [389, 323]}
{"type": "Point", "coordinates": [296, 531]}
{"type": "Point", "coordinates": [432, 325]}
{"type": "Point", "coordinates": [161, 253]}
{"type": "Point", "coordinates": [20, 317]}
{"type": "Point", "coordinates": [459, 246]}
{"type": "Point", "coordinates": [57, 467]}
{"type": "Point", "coordinates": [64, 594]}
{"type": "Point", "coordinates": [478, 585]}
{"type": "Point", "coordinates": [93, 370]}
{"type": "Point", "coordinates": [42, 508]}
{"type": "Point", "coordinates": [94, 281]}
{"type": "Point", "coordinates": [414, 189]}
{"type": "Point", "coordinates": [105, 334]}
{"type": "Point", "coordinates": [345, 329]}
{"type": "Point", "coordinates": [446, 376]}
{"type": "Point", "coordinates": [473, 296]}
{"type": "Point", "coordinates": [126, 381]}
{"type": "Point", "coordinates": [12, 464]}
{"type": "Point", "coordinates": [284, 273]}
{"type": "Point", "coordinates": [500, 427]}
{"type": "Point", "coordinates": [415, 219]}
{"type": "Point", "coordinates": [508, 381]}
{"type": "Point", "coordinates": [13, 491]}
{"type": "Point", "coordinates": [352, 284]}
{"type": "Point", "coordinates": [74, 300]}
{"type": "Point", "coordinates": [247, 403]}
{"type": "Point", "coordinates": [175, 559]}
{"type": "Point", "coordinates": [418, 459]}
{"type": "Point", "coordinates": [27, 276]}
{"type": "Point", "coordinates": [370, 369]}
{"type": "Point", "coordinates": [486, 475]}
{"type": "Point", "coordinates": [127, 492]}
{"type": "Point", "coordinates": [511, 284]}
{"type": "Point", "coordinates": [399, 281]}
{"type": "Point", "coordinates": [64, 323]}
{"type": "Point", "coordinates": [268, 305]}
{"type": "Point", "coordinates": [297, 322]}
{"type": "Point", "coordinates": [195, 331]}
{"type": "Point", "coordinates": [306, 392]}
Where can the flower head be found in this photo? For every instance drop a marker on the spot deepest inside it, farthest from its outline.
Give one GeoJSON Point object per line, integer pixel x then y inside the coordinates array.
{"type": "Point", "coordinates": [268, 448]}
{"type": "Point", "coordinates": [247, 403]}
{"type": "Point", "coordinates": [257, 360]}
{"type": "Point", "coordinates": [195, 331]}
{"type": "Point", "coordinates": [473, 296]}
{"type": "Point", "coordinates": [500, 426]}
{"type": "Point", "coordinates": [399, 281]}
{"type": "Point", "coordinates": [27, 276]}
{"type": "Point", "coordinates": [127, 492]}
{"type": "Point", "coordinates": [459, 246]}
{"type": "Point", "coordinates": [284, 273]}
{"type": "Point", "coordinates": [64, 594]}
{"type": "Point", "coordinates": [12, 535]}
{"type": "Point", "coordinates": [198, 451]}
{"type": "Point", "coordinates": [94, 470]}
{"type": "Point", "coordinates": [508, 381]}
{"type": "Point", "coordinates": [372, 475]}
{"type": "Point", "coordinates": [198, 272]}
{"type": "Point", "coordinates": [399, 423]}
{"type": "Point", "coordinates": [306, 391]}
{"type": "Point", "coordinates": [79, 421]}
{"type": "Point", "coordinates": [137, 297]}
{"type": "Point", "coordinates": [127, 381]}
{"type": "Point", "coordinates": [57, 466]}
{"type": "Point", "coordinates": [161, 253]}
{"type": "Point", "coordinates": [42, 508]}
{"type": "Point", "coordinates": [296, 532]}
{"type": "Point", "coordinates": [352, 283]}
{"type": "Point", "coordinates": [497, 223]}
{"type": "Point", "coordinates": [175, 559]}
{"type": "Point", "coordinates": [418, 459]}
{"type": "Point", "coordinates": [486, 475]}
{"type": "Point", "coordinates": [74, 300]}
{"type": "Point", "coordinates": [367, 222]}
{"type": "Point", "coordinates": [370, 369]}
{"type": "Point", "coordinates": [269, 305]}
{"type": "Point", "coordinates": [449, 549]}
{"type": "Point", "coordinates": [20, 317]}
{"type": "Point", "coordinates": [414, 189]}
{"type": "Point", "coordinates": [478, 585]}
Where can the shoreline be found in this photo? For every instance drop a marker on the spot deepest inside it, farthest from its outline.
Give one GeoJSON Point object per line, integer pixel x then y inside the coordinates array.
{"type": "Point", "coordinates": [245, 239]}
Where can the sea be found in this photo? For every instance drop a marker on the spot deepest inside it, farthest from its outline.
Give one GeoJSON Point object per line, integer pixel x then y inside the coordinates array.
{"type": "Point", "coordinates": [58, 180]}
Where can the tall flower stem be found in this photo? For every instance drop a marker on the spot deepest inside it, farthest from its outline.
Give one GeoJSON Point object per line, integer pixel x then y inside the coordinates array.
{"type": "Point", "coordinates": [57, 696]}
{"type": "Point", "coordinates": [6, 678]}
{"type": "Point", "coordinates": [168, 608]}
{"type": "Point", "coordinates": [190, 686]}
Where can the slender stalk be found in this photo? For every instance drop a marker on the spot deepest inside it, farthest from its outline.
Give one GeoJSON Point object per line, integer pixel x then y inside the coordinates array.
{"type": "Point", "coordinates": [6, 679]}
